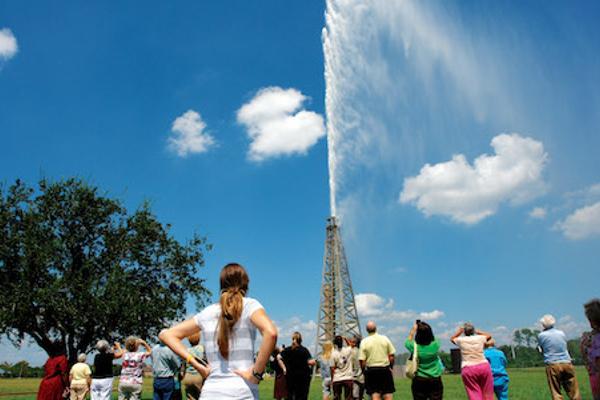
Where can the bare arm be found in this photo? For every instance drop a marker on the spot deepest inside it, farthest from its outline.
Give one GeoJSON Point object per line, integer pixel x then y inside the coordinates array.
{"type": "Point", "coordinates": [413, 330]}
{"type": "Point", "coordinates": [118, 351]}
{"type": "Point", "coordinates": [173, 337]}
{"type": "Point", "coordinates": [488, 336]}
{"type": "Point", "coordinates": [458, 332]}
{"type": "Point", "coordinates": [146, 345]}
{"type": "Point", "coordinates": [391, 359]}
{"type": "Point", "coordinates": [281, 364]}
{"type": "Point", "coordinates": [269, 338]}
{"type": "Point", "coordinates": [311, 362]}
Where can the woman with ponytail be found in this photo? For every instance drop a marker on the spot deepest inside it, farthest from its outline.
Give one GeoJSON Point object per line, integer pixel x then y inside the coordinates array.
{"type": "Point", "coordinates": [229, 329]}
{"type": "Point", "coordinates": [299, 363]}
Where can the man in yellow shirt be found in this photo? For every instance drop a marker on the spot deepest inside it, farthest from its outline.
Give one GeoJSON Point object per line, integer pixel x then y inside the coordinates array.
{"type": "Point", "coordinates": [376, 356]}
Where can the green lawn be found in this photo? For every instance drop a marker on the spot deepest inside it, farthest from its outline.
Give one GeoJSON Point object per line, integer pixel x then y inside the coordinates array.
{"type": "Point", "coordinates": [526, 384]}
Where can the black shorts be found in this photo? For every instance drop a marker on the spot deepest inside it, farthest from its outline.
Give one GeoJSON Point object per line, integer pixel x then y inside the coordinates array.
{"type": "Point", "coordinates": [379, 380]}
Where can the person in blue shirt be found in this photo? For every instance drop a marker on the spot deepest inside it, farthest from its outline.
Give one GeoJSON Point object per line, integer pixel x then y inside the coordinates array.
{"type": "Point", "coordinates": [559, 368]}
{"type": "Point", "coordinates": [165, 368]}
{"type": "Point", "coordinates": [497, 361]}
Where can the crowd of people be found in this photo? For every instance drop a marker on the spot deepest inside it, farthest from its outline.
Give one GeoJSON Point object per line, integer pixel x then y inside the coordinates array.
{"type": "Point", "coordinates": [229, 367]}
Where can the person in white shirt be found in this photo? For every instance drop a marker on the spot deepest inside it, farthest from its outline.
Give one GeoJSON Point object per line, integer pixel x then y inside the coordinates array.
{"type": "Point", "coordinates": [229, 330]}
{"type": "Point", "coordinates": [342, 372]}
{"type": "Point", "coordinates": [475, 370]}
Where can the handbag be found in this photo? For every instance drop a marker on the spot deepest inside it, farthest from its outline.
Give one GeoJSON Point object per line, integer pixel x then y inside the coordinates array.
{"type": "Point", "coordinates": [412, 364]}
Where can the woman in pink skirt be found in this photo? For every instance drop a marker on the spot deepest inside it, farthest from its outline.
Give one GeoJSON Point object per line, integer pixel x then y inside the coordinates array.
{"type": "Point", "coordinates": [475, 369]}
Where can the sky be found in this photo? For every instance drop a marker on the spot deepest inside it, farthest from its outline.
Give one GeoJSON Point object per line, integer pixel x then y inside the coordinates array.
{"type": "Point", "coordinates": [463, 145]}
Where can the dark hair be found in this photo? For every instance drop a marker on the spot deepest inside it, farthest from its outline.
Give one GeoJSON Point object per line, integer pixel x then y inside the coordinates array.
{"type": "Point", "coordinates": [234, 285]}
{"type": "Point", "coordinates": [592, 312]}
{"type": "Point", "coordinates": [424, 334]}
{"type": "Point", "coordinates": [338, 341]}
{"type": "Point", "coordinates": [57, 348]}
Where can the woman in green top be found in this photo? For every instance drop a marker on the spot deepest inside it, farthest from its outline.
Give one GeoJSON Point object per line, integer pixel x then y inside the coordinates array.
{"type": "Point", "coordinates": [427, 383]}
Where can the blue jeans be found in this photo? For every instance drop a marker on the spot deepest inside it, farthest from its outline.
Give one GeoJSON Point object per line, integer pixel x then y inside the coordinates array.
{"type": "Point", "coordinates": [163, 388]}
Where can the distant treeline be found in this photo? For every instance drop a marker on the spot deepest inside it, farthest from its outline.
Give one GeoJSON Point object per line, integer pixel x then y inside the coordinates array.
{"type": "Point", "coordinates": [525, 355]}
{"type": "Point", "coordinates": [22, 369]}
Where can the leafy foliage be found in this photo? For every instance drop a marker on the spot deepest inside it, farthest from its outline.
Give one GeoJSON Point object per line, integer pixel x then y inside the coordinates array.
{"type": "Point", "coordinates": [76, 266]}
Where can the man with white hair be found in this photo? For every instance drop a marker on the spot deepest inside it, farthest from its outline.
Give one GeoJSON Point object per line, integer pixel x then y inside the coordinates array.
{"type": "Point", "coordinates": [559, 369]}
{"type": "Point", "coordinates": [376, 357]}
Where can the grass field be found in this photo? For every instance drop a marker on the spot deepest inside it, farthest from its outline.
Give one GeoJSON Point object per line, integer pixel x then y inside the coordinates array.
{"type": "Point", "coordinates": [526, 384]}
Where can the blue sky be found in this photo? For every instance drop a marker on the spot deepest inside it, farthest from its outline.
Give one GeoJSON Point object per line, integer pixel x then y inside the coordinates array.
{"type": "Point", "coordinates": [216, 113]}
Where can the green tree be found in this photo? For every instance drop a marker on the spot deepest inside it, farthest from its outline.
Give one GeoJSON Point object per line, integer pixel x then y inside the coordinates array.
{"type": "Point", "coordinates": [518, 338]}
{"type": "Point", "coordinates": [76, 266]}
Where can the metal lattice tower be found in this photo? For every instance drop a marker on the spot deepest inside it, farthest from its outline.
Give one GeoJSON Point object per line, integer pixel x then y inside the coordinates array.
{"type": "Point", "coordinates": [337, 311]}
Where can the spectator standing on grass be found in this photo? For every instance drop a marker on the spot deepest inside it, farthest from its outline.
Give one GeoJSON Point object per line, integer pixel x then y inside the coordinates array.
{"type": "Point", "coordinates": [230, 327]}
{"type": "Point", "coordinates": [497, 360]}
{"type": "Point", "coordinates": [279, 371]}
{"type": "Point", "coordinates": [358, 386]}
{"type": "Point", "coordinates": [298, 363]}
{"type": "Point", "coordinates": [559, 368]}
{"type": "Point", "coordinates": [56, 369]}
{"type": "Point", "coordinates": [80, 377]}
{"type": "Point", "coordinates": [325, 368]}
{"type": "Point", "coordinates": [342, 374]}
{"type": "Point", "coordinates": [475, 369]}
{"type": "Point", "coordinates": [102, 373]}
{"type": "Point", "coordinates": [165, 368]}
{"type": "Point", "coordinates": [590, 346]}
{"type": "Point", "coordinates": [427, 383]}
{"type": "Point", "coordinates": [131, 379]}
{"type": "Point", "coordinates": [192, 380]}
{"type": "Point", "coordinates": [376, 357]}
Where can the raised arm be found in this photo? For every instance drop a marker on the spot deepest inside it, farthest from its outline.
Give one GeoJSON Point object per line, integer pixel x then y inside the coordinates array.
{"type": "Point", "coordinates": [413, 330]}
{"type": "Point", "coordinates": [458, 332]}
{"type": "Point", "coordinates": [118, 351]}
{"type": "Point", "coordinates": [488, 336]}
{"type": "Point", "coordinates": [268, 330]}
{"type": "Point", "coordinates": [172, 338]}
{"type": "Point", "coordinates": [146, 346]}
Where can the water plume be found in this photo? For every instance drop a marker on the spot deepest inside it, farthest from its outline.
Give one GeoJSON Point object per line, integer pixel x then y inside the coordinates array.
{"type": "Point", "coordinates": [385, 63]}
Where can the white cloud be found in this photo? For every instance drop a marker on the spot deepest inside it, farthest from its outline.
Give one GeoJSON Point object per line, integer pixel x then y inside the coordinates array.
{"type": "Point", "coordinates": [538, 213]}
{"type": "Point", "coordinates": [571, 327]}
{"type": "Point", "coordinates": [277, 125]}
{"type": "Point", "coordinates": [308, 329]}
{"type": "Point", "coordinates": [469, 193]}
{"type": "Point", "coordinates": [8, 44]}
{"type": "Point", "coordinates": [586, 195]}
{"type": "Point", "coordinates": [371, 305]}
{"type": "Point", "coordinates": [582, 223]}
{"type": "Point", "coordinates": [189, 135]}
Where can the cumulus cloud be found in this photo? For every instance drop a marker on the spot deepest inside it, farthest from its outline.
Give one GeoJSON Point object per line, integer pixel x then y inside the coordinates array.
{"type": "Point", "coordinates": [8, 44]}
{"type": "Point", "coordinates": [469, 193]}
{"type": "Point", "coordinates": [538, 213]}
{"type": "Point", "coordinates": [371, 305]}
{"type": "Point", "coordinates": [277, 125]}
{"type": "Point", "coordinates": [582, 223]}
{"type": "Point", "coordinates": [286, 327]}
{"type": "Point", "coordinates": [189, 135]}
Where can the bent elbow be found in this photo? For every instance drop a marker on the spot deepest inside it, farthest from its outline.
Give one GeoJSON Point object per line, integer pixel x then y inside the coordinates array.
{"type": "Point", "coordinates": [163, 335]}
{"type": "Point", "coordinates": [271, 333]}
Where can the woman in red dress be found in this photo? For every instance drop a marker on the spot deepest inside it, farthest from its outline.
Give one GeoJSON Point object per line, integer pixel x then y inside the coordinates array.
{"type": "Point", "coordinates": [56, 372]}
